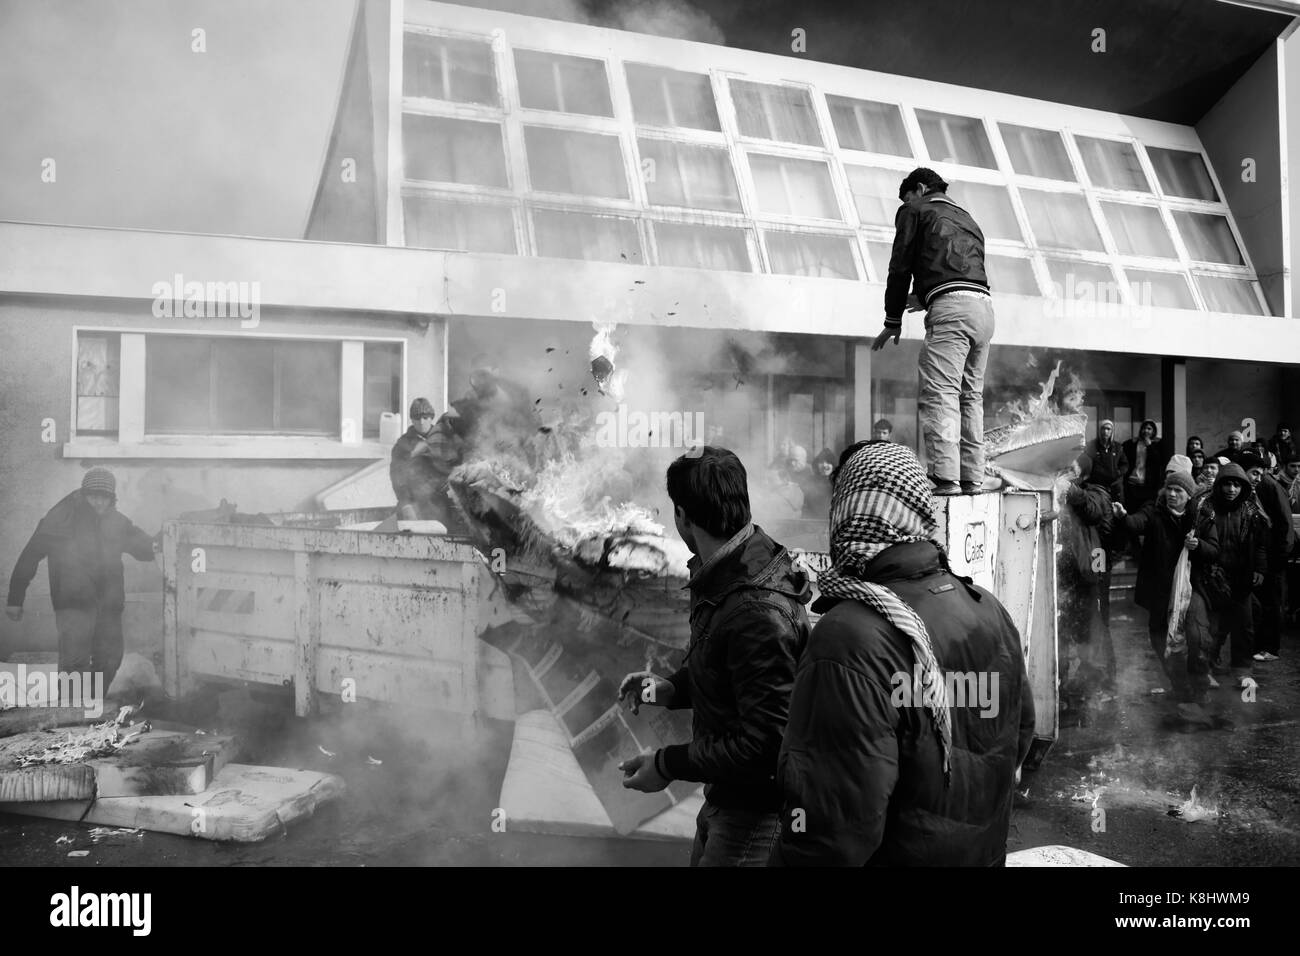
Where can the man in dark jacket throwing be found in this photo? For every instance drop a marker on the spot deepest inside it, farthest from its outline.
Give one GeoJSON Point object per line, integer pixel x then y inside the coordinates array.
{"type": "Point", "coordinates": [83, 538]}
{"type": "Point", "coordinates": [939, 250]}
{"type": "Point", "coordinates": [421, 461]}
{"type": "Point", "coordinates": [911, 712]}
{"type": "Point", "coordinates": [748, 627]}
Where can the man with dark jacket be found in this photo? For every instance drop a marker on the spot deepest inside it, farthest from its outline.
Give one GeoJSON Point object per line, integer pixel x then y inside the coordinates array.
{"type": "Point", "coordinates": [876, 767]}
{"type": "Point", "coordinates": [1281, 539]}
{"type": "Point", "coordinates": [1146, 456]}
{"type": "Point", "coordinates": [748, 627]}
{"type": "Point", "coordinates": [1281, 446]}
{"type": "Point", "coordinates": [421, 461]}
{"type": "Point", "coordinates": [1234, 449]}
{"type": "Point", "coordinates": [1108, 462]}
{"type": "Point", "coordinates": [83, 538]}
{"type": "Point", "coordinates": [939, 251]}
{"type": "Point", "coordinates": [1083, 585]}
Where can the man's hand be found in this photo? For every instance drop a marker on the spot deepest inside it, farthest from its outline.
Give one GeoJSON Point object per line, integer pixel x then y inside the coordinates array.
{"type": "Point", "coordinates": [914, 303]}
{"type": "Point", "coordinates": [1190, 542]}
{"type": "Point", "coordinates": [639, 773]}
{"type": "Point", "coordinates": [1118, 509]}
{"type": "Point", "coordinates": [642, 687]}
{"type": "Point", "coordinates": [1256, 580]}
{"type": "Point", "coordinates": [15, 613]}
{"type": "Point", "coordinates": [884, 337]}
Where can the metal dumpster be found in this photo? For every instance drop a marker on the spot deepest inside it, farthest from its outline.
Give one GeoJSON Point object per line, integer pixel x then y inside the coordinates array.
{"type": "Point", "coordinates": [363, 615]}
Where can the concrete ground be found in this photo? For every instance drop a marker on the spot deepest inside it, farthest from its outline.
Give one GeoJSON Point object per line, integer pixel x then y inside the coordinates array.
{"type": "Point", "coordinates": [1114, 786]}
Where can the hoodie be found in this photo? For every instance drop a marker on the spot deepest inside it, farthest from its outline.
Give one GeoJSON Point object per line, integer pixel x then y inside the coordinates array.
{"type": "Point", "coordinates": [1240, 528]}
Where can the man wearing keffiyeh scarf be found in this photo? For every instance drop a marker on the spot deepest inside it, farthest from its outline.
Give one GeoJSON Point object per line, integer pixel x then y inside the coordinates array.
{"type": "Point", "coordinates": [882, 763]}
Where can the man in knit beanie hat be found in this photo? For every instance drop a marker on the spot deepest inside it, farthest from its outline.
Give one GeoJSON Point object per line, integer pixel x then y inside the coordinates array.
{"type": "Point", "coordinates": [887, 757]}
{"type": "Point", "coordinates": [83, 538]}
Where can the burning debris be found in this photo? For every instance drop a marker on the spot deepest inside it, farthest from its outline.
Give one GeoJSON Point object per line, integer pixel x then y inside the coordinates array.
{"type": "Point", "coordinates": [609, 379]}
{"type": "Point", "coordinates": [99, 740]}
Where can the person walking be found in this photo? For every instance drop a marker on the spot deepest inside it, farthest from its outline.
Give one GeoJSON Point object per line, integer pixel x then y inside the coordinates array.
{"type": "Point", "coordinates": [748, 628]}
{"type": "Point", "coordinates": [882, 764]}
{"type": "Point", "coordinates": [82, 539]}
{"type": "Point", "coordinates": [939, 252]}
{"type": "Point", "coordinates": [1281, 539]}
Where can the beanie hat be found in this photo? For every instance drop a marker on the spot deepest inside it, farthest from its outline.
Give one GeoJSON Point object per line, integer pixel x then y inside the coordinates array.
{"type": "Point", "coordinates": [1106, 421]}
{"type": "Point", "coordinates": [1179, 463]}
{"type": "Point", "coordinates": [1236, 435]}
{"type": "Point", "coordinates": [422, 406]}
{"type": "Point", "coordinates": [1179, 479]}
{"type": "Point", "coordinates": [99, 481]}
{"type": "Point", "coordinates": [1249, 461]}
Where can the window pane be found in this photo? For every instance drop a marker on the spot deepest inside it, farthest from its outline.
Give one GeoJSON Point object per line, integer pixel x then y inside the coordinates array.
{"type": "Point", "coordinates": [383, 389]}
{"type": "Point", "coordinates": [1091, 281]}
{"type": "Point", "coordinates": [956, 139]}
{"type": "Point", "coordinates": [874, 127]}
{"type": "Point", "coordinates": [98, 382]}
{"type": "Point", "coordinates": [1182, 173]}
{"type": "Point", "coordinates": [875, 193]}
{"type": "Point", "coordinates": [177, 391]}
{"type": "Point", "coordinates": [775, 112]}
{"type": "Point", "coordinates": [463, 226]}
{"type": "Point", "coordinates": [307, 386]}
{"type": "Point", "coordinates": [1061, 219]}
{"type": "Point", "coordinates": [702, 247]}
{"type": "Point", "coordinates": [680, 174]}
{"type": "Point", "coordinates": [575, 235]}
{"type": "Point", "coordinates": [567, 84]}
{"type": "Point", "coordinates": [1112, 165]}
{"type": "Point", "coordinates": [991, 208]}
{"type": "Point", "coordinates": [793, 187]}
{"type": "Point", "coordinates": [663, 97]}
{"type": "Point", "coordinates": [1037, 152]}
{"type": "Point", "coordinates": [1226, 294]}
{"type": "Point", "coordinates": [1209, 238]}
{"type": "Point", "coordinates": [1138, 230]}
{"type": "Point", "coordinates": [443, 68]}
{"type": "Point", "coordinates": [795, 254]}
{"type": "Point", "coordinates": [584, 164]}
{"type": "Point", "coordinates": [453, 150]}
{"type": "Point", "coordinates": [1010, 274]}
{"type": "Point", "coordinates": [243, 386]}
{"type": "Point", "coordinates": [879, 253]}
{"type": "Point", "coordinates": [1166, 290]}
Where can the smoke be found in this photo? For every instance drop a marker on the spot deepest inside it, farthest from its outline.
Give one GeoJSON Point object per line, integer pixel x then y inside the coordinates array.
{"type": "Point", "coordinates": [674, 19]}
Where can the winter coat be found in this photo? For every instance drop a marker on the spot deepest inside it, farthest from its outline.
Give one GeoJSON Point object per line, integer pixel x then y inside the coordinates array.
{"type": "Point", "coordinates": [1088, 525]}
{"type": "Point", "coordinates": [1277, 507]}
{"type": "Point", "coordinates": [748, 628]}
{"type": "Point", "coordinates": [84, 555]}
{"type": "Point", "coordinates": [866, 768]}
{"type": "Point", "coordinates": [1281, 448]}
{"type": "Point", "coordinates": [1109, 465]}
{"type": "Point", "coordinates": [1157, 458]}
{"type": "Point", "coordinates": [419, 468]}
{"type": "Point", "coordinates": [1241, 531]}
{"type": "Point", "coordinates": [1163, 535]}
{"type": "Point", "coordinates": [938, 248]}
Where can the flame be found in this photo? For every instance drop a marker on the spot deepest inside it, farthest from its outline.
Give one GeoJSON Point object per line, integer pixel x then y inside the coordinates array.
{"type": "Point", "coordinates": [610, 379]}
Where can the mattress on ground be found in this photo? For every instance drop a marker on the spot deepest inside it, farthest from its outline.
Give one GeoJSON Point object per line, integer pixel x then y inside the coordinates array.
{"type": "Point", "coordinates": [245, 804]}
{"type": "Point", "coordinates": [546, 790]}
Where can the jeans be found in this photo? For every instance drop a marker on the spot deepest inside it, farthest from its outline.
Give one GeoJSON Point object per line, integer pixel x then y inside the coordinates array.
{"type": "Point", "coordinates": [950, 400]}
{"type": "Point", "coordinates": [90, 639]}
{"type": "Point", "coordinates": [725, 837]}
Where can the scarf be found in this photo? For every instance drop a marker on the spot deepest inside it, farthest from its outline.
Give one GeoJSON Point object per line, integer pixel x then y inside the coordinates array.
{"type": "Point", "coordinates": [882, 498]}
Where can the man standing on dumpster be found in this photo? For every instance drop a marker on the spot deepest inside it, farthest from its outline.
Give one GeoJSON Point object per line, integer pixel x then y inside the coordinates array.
{"type": "Point", "coordinates": [83, 538]}
{"type": "Point", "coordinates": [421, 461]}
{"type": "Point", "coordinates": [939, 253]}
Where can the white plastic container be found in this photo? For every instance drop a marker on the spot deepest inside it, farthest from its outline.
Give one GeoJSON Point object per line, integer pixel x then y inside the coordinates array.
{"type": "Point", "coordinates": [390, 427]}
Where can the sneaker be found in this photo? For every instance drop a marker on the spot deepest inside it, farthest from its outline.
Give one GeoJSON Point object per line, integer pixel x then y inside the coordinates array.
{"type": "Point", "coordinates": [946, 488]}
{"type": "Point", "coordinates": [971, 487]}
{"type": "Point", "coordinates": [1266, 656]}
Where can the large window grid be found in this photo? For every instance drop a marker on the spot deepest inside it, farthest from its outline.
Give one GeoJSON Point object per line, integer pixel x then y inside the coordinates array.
{"type": "Point", "coordinates": [810, 134]}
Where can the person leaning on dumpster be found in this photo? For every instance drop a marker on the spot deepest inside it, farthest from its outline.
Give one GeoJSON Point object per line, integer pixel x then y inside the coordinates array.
{"type": "Point", "coordinates": [876, 768]}
{"type": "Point", "coordinates": [748, 627]}
{"type": "Point", "coordinates": [83, 538]}
{"type": "Point", "coordinates": [422, 459]}
{"type": "Point", "coordinates": [939, 252]}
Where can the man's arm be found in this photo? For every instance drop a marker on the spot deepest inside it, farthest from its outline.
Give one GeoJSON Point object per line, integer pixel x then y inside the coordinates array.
{"type": "Point", "coordinates": [681, 681]}
{"type": "Point", "coordinates": [838, 767]}
{"type": "Point", "coordinates": [25, 569]}
{"type": "Point", "coordinates": [760, 661]}
{"type": "Point", "coordinates": [899, 281]}
{"type": "Point", "coordinates": [136, 543]}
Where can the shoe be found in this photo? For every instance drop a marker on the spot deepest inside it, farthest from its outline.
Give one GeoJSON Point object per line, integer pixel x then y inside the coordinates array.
{"type": "Point", "coordinates": [946, 488]}
{"type": "Point", "coordinates": [971, 487]}
{"type": "Point", "coordinates": [1266, 656]}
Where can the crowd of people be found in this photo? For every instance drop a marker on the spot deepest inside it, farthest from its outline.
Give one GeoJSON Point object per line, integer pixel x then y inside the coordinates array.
{"type": "Point", "coordinates": [1231, 512]}
{"type": "Point", "coordinates": [806, 488]}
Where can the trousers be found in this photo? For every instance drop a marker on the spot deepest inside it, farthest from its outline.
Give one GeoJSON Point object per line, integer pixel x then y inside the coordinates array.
{"type": "Point", "coordinates": [726, 837]}
{"type": "Point", "coordinates": [950, 394]}
{"type": "Point", "coordinates": [90, 639]}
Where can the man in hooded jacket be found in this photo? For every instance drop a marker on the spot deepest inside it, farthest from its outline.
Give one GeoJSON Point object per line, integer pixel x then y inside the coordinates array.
{"type": "Point", "coordinates": [82, 539]}
{"type": "Point", "coordinates": [1271, 593]}
{"type": "Point", "coordinates": [1108, 462]}
{"type": "Point", "coordinates": [876, 768]}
